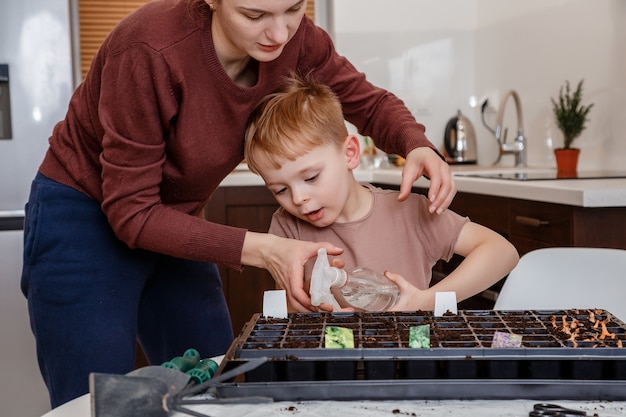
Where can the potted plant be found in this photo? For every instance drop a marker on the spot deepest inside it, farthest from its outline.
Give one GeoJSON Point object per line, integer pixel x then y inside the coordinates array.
{"type": "Point", "coordinates": [571, 116]}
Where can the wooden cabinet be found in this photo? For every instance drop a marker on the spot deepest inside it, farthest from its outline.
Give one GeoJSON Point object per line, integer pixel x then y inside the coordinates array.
{"type": "Point", "coordinates": [250, 208]}
{"type": "Point", "coordinates": [537, 225]}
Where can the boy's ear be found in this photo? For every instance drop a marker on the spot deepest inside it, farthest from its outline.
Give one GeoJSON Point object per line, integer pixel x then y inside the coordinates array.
{"type": "Point", "coordinates": [352, 151]}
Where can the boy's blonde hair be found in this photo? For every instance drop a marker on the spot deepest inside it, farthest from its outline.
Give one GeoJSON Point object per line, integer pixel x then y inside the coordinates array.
{"type": "Point", "coordinates": [287, 124]}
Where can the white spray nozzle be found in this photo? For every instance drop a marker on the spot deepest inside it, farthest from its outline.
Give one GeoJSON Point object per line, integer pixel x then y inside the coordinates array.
{"type": "Point", "coordinates": [323, 278]}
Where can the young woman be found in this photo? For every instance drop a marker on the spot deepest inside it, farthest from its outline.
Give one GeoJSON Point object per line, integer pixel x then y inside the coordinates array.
{"type": "Point", "coordinates": [116, 248]}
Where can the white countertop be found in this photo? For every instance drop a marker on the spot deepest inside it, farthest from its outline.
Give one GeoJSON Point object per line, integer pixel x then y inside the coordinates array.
{"type": "Point", "coordinates": [610, 192]}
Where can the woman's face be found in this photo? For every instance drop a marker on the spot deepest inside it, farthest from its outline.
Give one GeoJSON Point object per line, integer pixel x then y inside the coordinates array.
{"type": "Point", "coordinates": [256, 28]}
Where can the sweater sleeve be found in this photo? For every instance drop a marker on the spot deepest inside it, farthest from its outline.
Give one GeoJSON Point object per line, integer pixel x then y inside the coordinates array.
{"type": "Point", "coordinates": [136, 126]}
{"type": "Point", "coordinates": [374, 111]}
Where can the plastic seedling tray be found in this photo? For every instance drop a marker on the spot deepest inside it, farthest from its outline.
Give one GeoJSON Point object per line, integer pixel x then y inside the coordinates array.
{"type": "Point", "coordinates": [462, 361]}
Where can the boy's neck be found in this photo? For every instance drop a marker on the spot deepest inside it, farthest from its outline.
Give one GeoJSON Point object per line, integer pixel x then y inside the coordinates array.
{"type": "Point", "coordinates": [359, 204]}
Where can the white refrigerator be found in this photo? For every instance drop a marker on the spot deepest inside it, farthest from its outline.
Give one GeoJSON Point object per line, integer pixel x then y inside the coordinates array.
{"type": "Point", "coordinates": [36, 81]}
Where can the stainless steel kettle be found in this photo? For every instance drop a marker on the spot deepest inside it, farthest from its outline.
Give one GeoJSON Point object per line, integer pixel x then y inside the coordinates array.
{"type": "Point", "coordinates": [460, 141]}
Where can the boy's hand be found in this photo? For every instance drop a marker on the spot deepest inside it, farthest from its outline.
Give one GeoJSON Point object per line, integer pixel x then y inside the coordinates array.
{"type": "Point", "coordinates": [327, 308]}
{"type": "Point", "coordinates": [425, 161]}
{"type": "Point", "coordinates": [411, 298]}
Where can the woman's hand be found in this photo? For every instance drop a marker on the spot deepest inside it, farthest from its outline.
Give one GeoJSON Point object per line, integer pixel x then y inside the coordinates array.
{"type": "Point", "coordinates": [425, 161]}
{"type": "Point", "coordinates": [284, 259]}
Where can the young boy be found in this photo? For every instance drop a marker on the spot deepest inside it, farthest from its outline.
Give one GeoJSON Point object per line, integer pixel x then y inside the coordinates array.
{"type": "Point", "coordinates": [298, 142]}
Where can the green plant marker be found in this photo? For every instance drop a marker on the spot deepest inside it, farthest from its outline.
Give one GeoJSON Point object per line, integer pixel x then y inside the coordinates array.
{"type": "Point", "coordinates": [419, 337]}
{"type": "Point", "coordinates": [506, 340]}
{"type": "Point", "coordinates": [338, 338]}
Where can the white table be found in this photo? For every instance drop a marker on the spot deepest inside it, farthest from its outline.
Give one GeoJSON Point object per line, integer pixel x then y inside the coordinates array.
{"type": "Point", "coordinates": [80, 407]}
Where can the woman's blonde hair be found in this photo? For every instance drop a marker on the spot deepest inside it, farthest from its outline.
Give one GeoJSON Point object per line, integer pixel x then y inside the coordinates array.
{"type": "Point", "coordinates": [293, 121]}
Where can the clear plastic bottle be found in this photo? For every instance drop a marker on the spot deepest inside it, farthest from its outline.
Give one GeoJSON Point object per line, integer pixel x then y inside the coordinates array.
{"type": "Point", "coordinates": [365, 289]}
{"type": "Point", "coordinates": [360, 288]}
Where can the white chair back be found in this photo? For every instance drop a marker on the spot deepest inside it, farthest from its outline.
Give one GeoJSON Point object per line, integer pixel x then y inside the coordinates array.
{"type": "Point", "coordinates": [565, 278]}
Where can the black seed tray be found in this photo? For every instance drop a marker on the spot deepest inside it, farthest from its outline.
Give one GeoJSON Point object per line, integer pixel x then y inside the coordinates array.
{"type": "Point", "coordinates": [461, 362]}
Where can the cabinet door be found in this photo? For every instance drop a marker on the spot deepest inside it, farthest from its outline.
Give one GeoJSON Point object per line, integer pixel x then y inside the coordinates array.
{"type": "Point", "coordinates": [249, 208]}
{"type": "Point", "coordinates": [600, 227]}
{"type": "Point", "coordinates": [489, 211]}
{"type": "Point", "coordinates": [536, 225]}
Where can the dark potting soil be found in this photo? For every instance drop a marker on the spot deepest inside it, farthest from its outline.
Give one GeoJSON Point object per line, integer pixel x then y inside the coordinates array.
{"type": "Point", "coordinates": [567, 328]}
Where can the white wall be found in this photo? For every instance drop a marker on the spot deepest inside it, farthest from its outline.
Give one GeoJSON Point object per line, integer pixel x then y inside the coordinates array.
{"type": "Point", "coordinates": [439, 54]}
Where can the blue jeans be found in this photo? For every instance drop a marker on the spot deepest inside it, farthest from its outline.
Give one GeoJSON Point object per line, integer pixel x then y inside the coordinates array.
{"type": "Point", "coordinates": [90, 297]}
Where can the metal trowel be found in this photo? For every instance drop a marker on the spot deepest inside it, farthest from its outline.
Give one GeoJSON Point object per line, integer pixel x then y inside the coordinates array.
{"type": "Point", "coordinates": [154, 391]}
{"type": "Point", "coordinates": [138, 393]}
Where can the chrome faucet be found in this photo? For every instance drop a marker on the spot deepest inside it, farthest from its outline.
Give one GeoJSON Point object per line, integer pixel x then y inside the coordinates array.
{"type": "Point", "coordinates": [518, 147]}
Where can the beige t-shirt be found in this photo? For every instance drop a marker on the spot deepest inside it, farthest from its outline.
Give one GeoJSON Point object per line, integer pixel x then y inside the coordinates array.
{"type": "Point", "coordinates": [402, 237]}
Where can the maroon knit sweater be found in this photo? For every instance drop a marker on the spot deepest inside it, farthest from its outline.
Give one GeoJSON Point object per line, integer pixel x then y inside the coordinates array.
{"type": "Point", "coordinates": [157, 124]}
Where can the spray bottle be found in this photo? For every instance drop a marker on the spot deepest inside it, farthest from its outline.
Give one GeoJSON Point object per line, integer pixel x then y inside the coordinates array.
{"type": "Point", "coordinates": [360, 288]}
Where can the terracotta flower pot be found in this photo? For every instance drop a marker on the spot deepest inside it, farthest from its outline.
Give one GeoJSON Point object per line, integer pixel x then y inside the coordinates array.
{"type": "Point", "coordinates": [566, 162]}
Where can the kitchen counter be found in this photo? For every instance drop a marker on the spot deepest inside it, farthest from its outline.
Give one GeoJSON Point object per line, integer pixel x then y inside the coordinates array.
{"type": "Point", "coordinates": [610, 192]}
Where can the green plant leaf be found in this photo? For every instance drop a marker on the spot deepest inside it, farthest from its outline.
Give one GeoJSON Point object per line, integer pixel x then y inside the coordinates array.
{"type": "Point", "coordinates": [569, 112]}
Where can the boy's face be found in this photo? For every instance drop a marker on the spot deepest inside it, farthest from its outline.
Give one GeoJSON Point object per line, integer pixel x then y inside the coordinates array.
{"type": "Point", "coordinates": [317, 186]}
